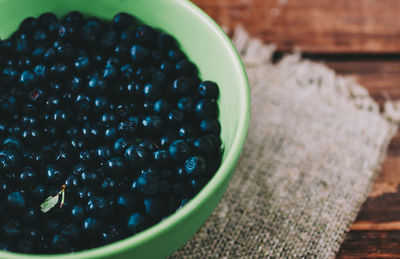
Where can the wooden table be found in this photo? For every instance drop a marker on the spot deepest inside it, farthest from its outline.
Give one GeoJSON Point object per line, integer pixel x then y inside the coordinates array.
{"type": "Point", "coordinates": [360, 38]}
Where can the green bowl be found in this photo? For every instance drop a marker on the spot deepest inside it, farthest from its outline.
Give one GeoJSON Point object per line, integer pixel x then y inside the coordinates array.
{"type": "Point", "coordinates": [208, 47]}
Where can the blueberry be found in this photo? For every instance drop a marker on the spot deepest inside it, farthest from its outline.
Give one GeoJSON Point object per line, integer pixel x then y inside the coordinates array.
{"type": "Point", "coordinates": [102, 153]}
{"type": "Point", "coordinates": [154, 207]}
{"type": "Point", "coordinates": [108, 185]}
{"type": "Point", "coordinates": [108, 118]}
{"type": "Point", "coordinates": [109, 234]}
{"type": "Point", "coordinates": [210, 126]}
{"type": "Point", "coordinates": [9, 75]}
{"type": "Point", "coordinates": [136, 223]}
{"type": "Point", "coordinates": [54, 174]}
{"type": "Point", "coordinates": [28, 80]}
{"type": "Point", "coordinates": [72, 183]}
{"type": "Point", "coordinates": [145, 35]}
{"type": "Point", "coordinates": [148, 185]}
{"type": "Point", "coordinates": [5, 189]}
{"type": "Point", "coordinates": [120, 145]}
{"type": "Point", "coordinates": [187, 131]}
{"type": "Point", "coordinates": [208, 90]}
{"type": "Point", "coordinates": [152, 124]}
{"type": "Point", "coordinates": [175, 54]}
{"type": "Point", "coordinates": [136, 155]}
{"type": "Point", "coordinates": [30, 216]}
{"type": "Point", "coordinates": [161, 158]}
{"type": "Point", "coordinates": [96, 85]}
{"type": "Point", "coordinates": [185, 105]}
{"type": "Point", "coordinates": [11, 230]}
{"type": "Point", "coordinates": [77, 212]}
{"type": "Point", "coordinates": [66, 32]}
{"type": "Point", "coordinates": [185, 67]}
{"type": "Point", "coordinates": [115, 166]}
{"type": "Point", "coordinates": [74, 18]}
{"type": "Point", "coordinates": [108, 40]}
{"type": "Point", "coordinates": [59, 70]}
{"type": "Point", "coordinates": [122, 21]}
{"type": "Point", "coordinates": [183, 85]}
{"type": "Point", "coordinates": [89, 178]}
{"type": "Point", "coordinates": [27, 175]}
{"type": "Point", "coordinates": [125, 203]}
{"type": "Point", "coordinates": [40, 36]}
{"type": "Point", "coordinates": [16, 201]}
{"type": "Point", "coordinates": [162, 107]}
{"type": "Point", "coordinates": [195, 166]}
{"type": "Point", "coordinates": [8, 159]}
{"type": "Point", "coordinates": [29, 25]}
{"type": "Point", "coordinates": [74, 85]}
{"type": "Point", "coordinates": [82, 64]}
{"type": "Point", "coordinates": [39, 193]}
{"type": "Point", "coordinates": [125, 71]}
{"type": "Point", "coordinates": [139, 54]}
{"type": "Point", "coordinates": [47, 18]}
{"type": "Point", "coordinates": [204, 145]}
{"type": "Point", "coordinates": [167, 139]}
{"type": "Point", "coordinates": [82, 102]}
{"type": "Point", "coordinates": [12, 143]}
{"type": "Point", "coordinates": [71, 232]}
{"type": "Point", "coordinates": [179, 150]}
{"type": "Point", "coordinates": [206, 109]}
{"type": "Point", "coordinates": [96, 206]}
{"type": "Point", "coordinates": [59, 243]}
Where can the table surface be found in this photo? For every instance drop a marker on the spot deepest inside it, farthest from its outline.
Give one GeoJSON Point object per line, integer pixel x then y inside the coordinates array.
{"type": "Point", "coordinates": [360, 38]}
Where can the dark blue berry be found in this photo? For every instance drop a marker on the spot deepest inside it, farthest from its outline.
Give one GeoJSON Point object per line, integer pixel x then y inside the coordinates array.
{"type": "Point", "coordinates": [115, 166]}
{"type": "Point", "coordinates": [154, 207]}
{"type": "Point", "coordinates": [136, 155]}
{"type": "Point", "coordinates": [96, 206]}
{"type": "Point", "coordinates": [206, 109]}
{"type": "Point", "coordinates": [148, 185]}
{"type": "Point", "coordinates": [195, 166]}
{"type": "Point", "coordinates": [110, 234]}
{"type": "Point", "coordinates": [122, 21]}
{"type": "Point", "coordinates": [77, 212]}
{"type": "Point", "coordinates": [16, 201]}
{"type": "Point", "coordinates": [28, 80]}
{"type": "Point", "coordinates": [185, 67]}
{"type": "Point", "coordinates": [210, 126]}
{"type": "Point", "coordinates": [127, 128]}
{"type": "Point", "coordinates": [120, 145]}
{"type": "Point", "coordinates": [8, 159]}
{"type": "Point", "coordinates": [139, 54]}
{"type": "Point", "coordinates": [152, 124]}
{"type": "Point", "coordinates": [11, 230]}
{"type": "Point", "coordinates": [59, 243]}
{"type": "Point", "coordinates": [71, 232]}
{"type": "Point", "coordinates": [185, 105]}
{"type": "Point", "coordinates": [82, 64]}
{"type": "Point", "coordinates": [54, 174]}
{"type": "Point", "coordinates": [208, 90]}
{"type": "Point", "coordinates": [179, 150]}
{"type": "Point", "coordinates": [136, 223]}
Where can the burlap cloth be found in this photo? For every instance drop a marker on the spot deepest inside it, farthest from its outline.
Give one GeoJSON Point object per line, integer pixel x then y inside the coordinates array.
{"type": "Point", "coordinates": [315, 143]}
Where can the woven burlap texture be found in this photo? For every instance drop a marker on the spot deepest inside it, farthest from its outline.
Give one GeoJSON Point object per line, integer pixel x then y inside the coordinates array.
{"type": "Point", "coordinates": [315, 143]}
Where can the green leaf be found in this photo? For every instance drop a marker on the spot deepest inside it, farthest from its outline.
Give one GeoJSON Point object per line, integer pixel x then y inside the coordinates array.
{"type": "Point", "coordinates": [49, 203]}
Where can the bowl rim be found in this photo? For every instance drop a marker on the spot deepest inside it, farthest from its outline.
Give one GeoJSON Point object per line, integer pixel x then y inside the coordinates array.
{"type": "Point", "coordinates": [228, 164]}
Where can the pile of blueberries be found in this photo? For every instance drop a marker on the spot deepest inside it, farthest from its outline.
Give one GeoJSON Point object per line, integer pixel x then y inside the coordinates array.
{"type": "Point", "coordinates": [110, 116]}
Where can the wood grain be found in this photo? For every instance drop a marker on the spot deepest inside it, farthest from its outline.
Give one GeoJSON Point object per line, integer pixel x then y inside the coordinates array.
{"type": "Point", "coordinates": [315, 26]}
{"type": "Point", "coordinates": [359, 38]}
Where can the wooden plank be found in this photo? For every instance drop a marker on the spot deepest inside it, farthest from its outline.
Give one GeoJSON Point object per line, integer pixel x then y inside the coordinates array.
{"type": "Point", "coordinates": [371, 244]}
{"type": "Point", "coordinates": [315, 26]}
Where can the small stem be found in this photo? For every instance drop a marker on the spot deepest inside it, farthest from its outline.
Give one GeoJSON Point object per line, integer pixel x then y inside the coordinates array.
{"type": "Point", "coordinates": [62, 192]}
